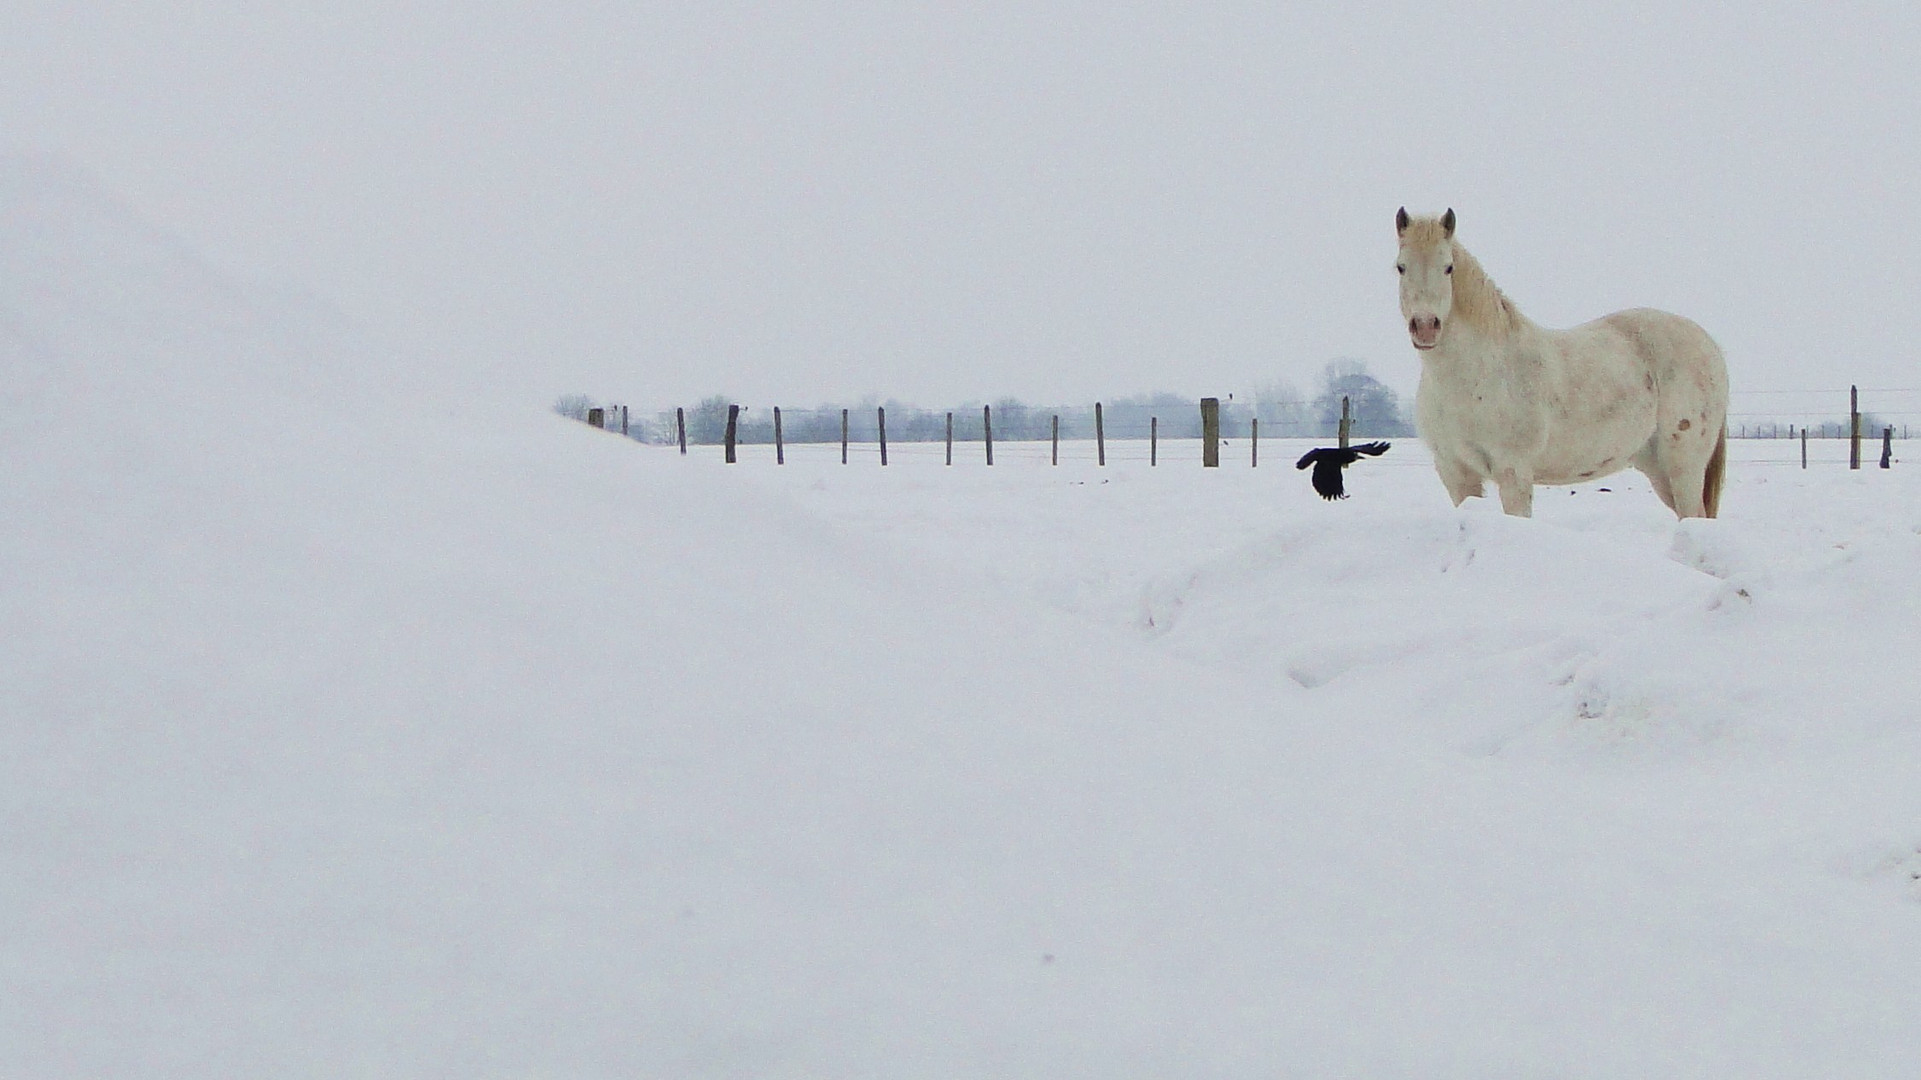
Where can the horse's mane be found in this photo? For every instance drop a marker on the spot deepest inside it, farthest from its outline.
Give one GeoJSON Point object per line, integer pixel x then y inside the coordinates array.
{"type": "Point", "coordinates": [1477, 300]}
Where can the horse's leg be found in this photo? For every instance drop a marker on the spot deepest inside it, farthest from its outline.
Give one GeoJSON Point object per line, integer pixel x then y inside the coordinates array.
{"type": "Point", "coordinates": [1690, 489]}
{"type": "Point", "coordinates": [1517, 499]}
{"type": "Point", "coordinates": [1695, 468]}
{"type": "Point", "coordinates": [1679, 472]}
{"type": "Point", "coordinates": [1461, 483]}
{"type": "Point", "coordinates": [1517, 493]}
{"type": "Point", "coordinates": [1657, 475]}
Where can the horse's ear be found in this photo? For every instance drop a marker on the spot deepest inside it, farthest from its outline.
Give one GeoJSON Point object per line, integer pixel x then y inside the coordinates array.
{"type": "Point", "coordinates": [1400, 222]}
{"type": "Point", "coordinates": [1447, 223]}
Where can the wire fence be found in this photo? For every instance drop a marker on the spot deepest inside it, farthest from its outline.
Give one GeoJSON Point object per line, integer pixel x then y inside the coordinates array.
{"type": "Point", "coordinates": [1010, 425]}
{"type": "Point", "coordinates": [1172, 429]}
{"type": "Point", "coordinates": [1824, 414]}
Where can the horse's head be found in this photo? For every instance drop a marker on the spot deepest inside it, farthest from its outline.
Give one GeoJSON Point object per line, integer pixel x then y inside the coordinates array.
{"type": "Point", "coordinates": [1426, 264]}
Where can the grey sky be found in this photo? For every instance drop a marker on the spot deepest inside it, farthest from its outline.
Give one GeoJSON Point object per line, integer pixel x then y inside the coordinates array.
{"type": "Point", "coordinates": [803, 202]}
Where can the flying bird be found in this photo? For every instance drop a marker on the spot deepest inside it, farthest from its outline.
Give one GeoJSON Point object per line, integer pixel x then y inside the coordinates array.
{"type": "Point", "coordinates": [1329, 461]}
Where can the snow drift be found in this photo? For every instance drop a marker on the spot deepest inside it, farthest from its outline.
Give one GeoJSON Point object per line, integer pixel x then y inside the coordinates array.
{"type": "Point", "coordinates": [347, 737]}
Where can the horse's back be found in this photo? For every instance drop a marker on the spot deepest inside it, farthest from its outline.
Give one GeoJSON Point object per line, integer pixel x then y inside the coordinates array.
{"type": "Point", "coordinates": [1679, 354]}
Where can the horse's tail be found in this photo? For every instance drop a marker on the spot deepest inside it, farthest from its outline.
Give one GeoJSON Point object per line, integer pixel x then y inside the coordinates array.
{"type": "Point", "coordinates": [1717, 468]}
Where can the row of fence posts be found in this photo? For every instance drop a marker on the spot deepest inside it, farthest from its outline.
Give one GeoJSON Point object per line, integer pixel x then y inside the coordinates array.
{"type": "Point", "coordinates": [1854, 435]}
{"type": "Point", "coordinates": [598, 417]}
{"type": "Point", "coordinates": [1210, 434]}
{"type": "Point", "coordinates": [1854, 444]}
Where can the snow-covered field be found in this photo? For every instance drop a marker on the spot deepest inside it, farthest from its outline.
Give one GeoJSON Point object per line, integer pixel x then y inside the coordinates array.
{"type": "Point", "coordinates": [346, 736]}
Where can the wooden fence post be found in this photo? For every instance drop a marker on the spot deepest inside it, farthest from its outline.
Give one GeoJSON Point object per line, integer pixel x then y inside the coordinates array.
{"type": "Point", "coordinates": [1057, 439]}
{"type": "Point", "coordinates": [1153, 440]}
{"type": "Point", "coordinates": [987, 431]}
{"type": "Point", "coordinates": [1887, 447]}
{"type": "Point", "coordinates": [1100, 437]}
{"type": "Point", "coordinates": [882, 415]}
{"type": "Point", "coordinates": [597, 417]}
{"type": "Point", "coordinates": [780, 446]}
{"type": "Point", "coordinates": [680, 426]}
{"type": "Point", "coordinates": [1804, 446]}
{"type": "Point", "coordinates": [1210, 433]}
{"type": "Point", "coordinates": [733, 419]}
{"type": "Point", "coordinates": [623, 419]}
{"type": "Point", "coordinates": [950, 438]}
{"type": "Point", "coordinates": [1254, 444]}
{"type": "Point", "coordinates": [843, 436]}
{"type": "Point", "coordinates": [1854, 427]}
{"type": "Point", "coordinates": [1347, 420]}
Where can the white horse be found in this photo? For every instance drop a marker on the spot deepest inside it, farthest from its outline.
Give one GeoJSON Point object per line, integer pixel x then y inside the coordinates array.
{"type": "Point", "coordinates": [1503, 399]}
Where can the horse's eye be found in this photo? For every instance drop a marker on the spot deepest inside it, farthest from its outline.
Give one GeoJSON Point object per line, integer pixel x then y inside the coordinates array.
{"type": "Point", "coordinates": [1449, 270]}
{"type": "Point", "coordinates": [1400, 268]}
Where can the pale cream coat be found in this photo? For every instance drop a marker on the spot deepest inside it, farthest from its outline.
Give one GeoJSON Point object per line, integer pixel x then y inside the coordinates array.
{"type": "Point", "coordinates": [1504, 400]}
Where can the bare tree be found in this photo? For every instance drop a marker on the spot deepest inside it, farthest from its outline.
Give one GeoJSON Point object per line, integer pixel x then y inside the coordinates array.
{"type": "Point", "coordinates": [1376, 407]}
{"type": "Point", "coordinates": [573, 406]}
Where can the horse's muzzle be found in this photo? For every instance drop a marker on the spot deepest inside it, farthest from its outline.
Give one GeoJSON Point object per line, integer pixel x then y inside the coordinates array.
{"type": "Point", "coordinates": [1425, 330]}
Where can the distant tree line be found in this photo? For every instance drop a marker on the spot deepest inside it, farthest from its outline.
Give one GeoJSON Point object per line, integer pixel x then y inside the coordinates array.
{"type": "Point", "coordinates": [1283, 412]}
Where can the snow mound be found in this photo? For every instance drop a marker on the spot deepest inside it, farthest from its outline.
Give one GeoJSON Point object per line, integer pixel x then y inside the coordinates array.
{"type": "Point", "coordinates": [344, 739]}
{"type": "Point", "coordinates": [1512, 623]}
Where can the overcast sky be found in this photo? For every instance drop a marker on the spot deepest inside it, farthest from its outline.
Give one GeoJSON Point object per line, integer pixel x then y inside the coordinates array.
{"type": "Point", "coordinates": [795, 203]}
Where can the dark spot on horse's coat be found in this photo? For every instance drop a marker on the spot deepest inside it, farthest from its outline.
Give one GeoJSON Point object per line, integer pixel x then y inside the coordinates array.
{"type": "Point", "coordinates": [1686, 424]}
{"type": "Point", "coordinates": [1650, 379]}
{"type": "Point", "coordinates": [1588, 475]}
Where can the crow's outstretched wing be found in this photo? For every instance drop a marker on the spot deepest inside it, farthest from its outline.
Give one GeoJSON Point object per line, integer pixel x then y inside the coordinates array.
{"type": "Point", "coordinates": [1324, 453]}
{"type": "Point", "coordinates": [1372, 449]}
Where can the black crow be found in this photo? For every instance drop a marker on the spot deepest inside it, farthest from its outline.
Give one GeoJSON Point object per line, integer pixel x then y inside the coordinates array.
{"type": "Point", "coordinates": [1329, 461]}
